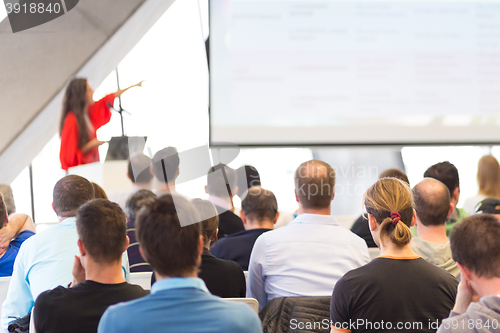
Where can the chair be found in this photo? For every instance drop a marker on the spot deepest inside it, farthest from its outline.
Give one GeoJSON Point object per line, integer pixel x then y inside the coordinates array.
{"type": "Point", "coordinates": [4, 286]}
{"type": "Point", "coordinates": [252, 302]}
{"type": "Point", "coordinates": [374, 252]}
{"type": "Point", "coordinates": [142, 279]}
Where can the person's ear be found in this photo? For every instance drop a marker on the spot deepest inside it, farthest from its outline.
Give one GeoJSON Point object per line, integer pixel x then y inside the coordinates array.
{"type": "Point", "coordinates": [127, 242]}
{"type": "Point", "coordinates": [177, 174]}
{"type": "Point", "coordinates": [456, 193]}
{"type": "Point", "coordinates": [413, 219]}
{"type": "Point", "coordinates": [372, 222]}
{"type": "Point", "coordinates": [214, 236]}
{"type": "Point", "coordinates": [81, 248]}
{"type": "Point", "coordinates": [465, 272]}
{"type": "Point", "coordinates": [6, 219]}
{"type": "Point", "coordinates": [296, 196]}
{"type": "Point", "coordinates": [450, 211]}
{"type": "Point", "coordinates": [53, 207]}
{"type": "Point", "coordinates": [243, 217]}
{"type": "Point", "coordinates": [276, 217]}
{"type": "Point", "coordinates": [201, 245]}
{"type": "Point", "coordinates": [206, 189]}
{"type": "Point", "coordinates": [333, 196]}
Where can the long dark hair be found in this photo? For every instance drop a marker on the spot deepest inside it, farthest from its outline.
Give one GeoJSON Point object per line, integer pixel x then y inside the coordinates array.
{"type": "Point", "coordinates": [75, 100]}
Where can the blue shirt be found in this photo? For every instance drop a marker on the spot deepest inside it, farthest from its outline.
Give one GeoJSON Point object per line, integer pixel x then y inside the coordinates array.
{"type": "Point", "coordinates": [7, 260]}
{"type": "Point", "coordinates": [44, 262]}
{"type": "Point", "coordinates": [180, 305]}
{"type": "Point", "coordinates": [304, 258]}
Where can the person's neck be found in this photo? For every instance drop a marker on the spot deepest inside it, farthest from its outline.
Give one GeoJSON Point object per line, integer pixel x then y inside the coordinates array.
{"type": "Point", "coordinates": [104, 273]}
{"type": "Point", "coordinates": [391, 250]}
{"type": "Point", "coordinates": [193, 274]}
{"type": "Point", "coordinates": [264, 224]}
{"type": "Point", "coordinates": [142, 186]}
{"type": "Point", "coordinates": [486, 287]}
{"type": "Point", "coordinates": [61, 218]}
{"type": "Point", "coordinates": [168, 187]}
{"type": "Point", "coordinates": [432, 233]}
{"type": "Point", "coordinates": [316, 211]}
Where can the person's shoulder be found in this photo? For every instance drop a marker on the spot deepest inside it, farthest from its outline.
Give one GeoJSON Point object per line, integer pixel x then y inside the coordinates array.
{"type": "Point", "coordinates": [21, 238]}
{"type": "Point", "coordinates": [135, 289]}
{"type": "Point", "coordinates": [52, 296]}
{"type": "Point", "coordinates": [435, 272]}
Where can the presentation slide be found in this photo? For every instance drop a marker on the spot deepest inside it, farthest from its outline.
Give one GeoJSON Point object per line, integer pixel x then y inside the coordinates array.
{"type": "Point", "coordinates": [354, 72]}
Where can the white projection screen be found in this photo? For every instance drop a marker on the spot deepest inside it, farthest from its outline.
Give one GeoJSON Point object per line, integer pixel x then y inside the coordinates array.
{"type": "Point", "coordinates": [354, 72]}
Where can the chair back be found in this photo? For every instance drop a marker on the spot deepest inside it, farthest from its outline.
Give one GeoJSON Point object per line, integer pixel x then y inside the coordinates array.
{"type": "Point", "coordinates": [142, 279]}
{"type": "Point", "coordinates": [252, 302]}
{"type": "Point", "coordinates": [373, 252]}
{"type": "Point", "coordinates": [4, 286]}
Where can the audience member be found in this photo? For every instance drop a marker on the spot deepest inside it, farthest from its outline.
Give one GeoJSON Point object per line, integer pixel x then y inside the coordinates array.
{"type": "Point", "coordinates": [447, 174]}
{"type": "Point", "coordinates": [8, 195]}
{"type": "Point", "coordinates": [98, 281]}
{"type": "Point", "coordinates": [221, 188]}
{"type": "Point", "coordinates": [259, 213]}
{"type": "Point", "coordinates": [475, 248]}
{"type": "Point", "coordinates": [432, 205]}
{"type": "Point", "coordinates": [179, 300]}
{"type": "Point", "coordinates": [488, 180]}
{"type": "Point", "coordinates": [223, 278]}
{"type": "Point", "coordinates": [166, 169]}
{"type": "Point", "coordinates": [14, 230]}
{"type": "Point", "coordinates": [46, 259]}
{"type": "Point", "coordinates": [310, 254]}
{"type": "Point", "coordinates": [249, 177]}
{"type": "Point", "coordinates": [99, 192]}
{"type": "Point", "coordinates": [360, 226]}
{"type": "Point", "coordinates": [133, 205]}
{"type": "Point", "coordinates": [489, 206]}
{"type": "Point", "coordinates": [398, 287]}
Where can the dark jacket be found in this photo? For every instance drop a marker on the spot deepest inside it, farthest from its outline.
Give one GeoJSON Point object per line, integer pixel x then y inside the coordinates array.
{"type": "Point", "coordinates": [361, 228]}
{"type": "Point", "coordinates": [296, 314]}
{"type": "Point", "coordinates": [229, 222]}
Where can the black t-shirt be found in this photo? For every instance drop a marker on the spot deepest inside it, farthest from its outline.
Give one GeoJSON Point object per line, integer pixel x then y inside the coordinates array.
{"type": "Point", "coordinates": [362, 229]}
{"type": "Point", "coordinates": [393, 295]}
{"type": "Point", "coordinates": [80, 308]}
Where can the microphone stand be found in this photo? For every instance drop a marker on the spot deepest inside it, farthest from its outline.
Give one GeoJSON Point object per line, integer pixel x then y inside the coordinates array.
{"type": "Point", "coordinates": [120, 111]}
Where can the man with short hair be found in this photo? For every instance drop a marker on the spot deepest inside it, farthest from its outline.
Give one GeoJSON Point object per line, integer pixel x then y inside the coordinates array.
{"type": "Point", "coordinates": [432, 205]}
{"type": "Point", "coordinates": [259, 213]}
{"type": "Point", "coordinates": [166, 169]}
{"type": "Point", "coordinates": [134, 204]}
{"type": "Point", "coordinates": [98, 281]}
{"type": "Point", "coordinates": [447, 174]}
{"type": "Point", "coordinates": [46, 259]}
{"type": "Point", "coordinates": [179, 300]}
{"type": "Point", "coordinates": [310, 254]}
{"type": "Point", "coordinates": [476, 249]}
{"type": "Point", "coordinates": [221, 188]}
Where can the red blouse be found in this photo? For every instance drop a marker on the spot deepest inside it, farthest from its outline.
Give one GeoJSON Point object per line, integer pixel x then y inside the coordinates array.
{"type": "Point", "coordinates": [99, 115]}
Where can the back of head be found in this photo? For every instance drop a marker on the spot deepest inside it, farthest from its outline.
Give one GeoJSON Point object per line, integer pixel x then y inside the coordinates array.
{"type": "Point", "coordinates": [136, 201]}
{"type": "Point", "coordinates": [315, 184]}
{"type": "Point", "coordinates": [102, 228]}
{"type": "Point", "coordinates": [432, 202]}
{"type": "Point", "coordinates": [139, 169]}
{"type": "Point", "coordinates": [395, 173]}
{"type": "Point", "coordinates": [474, 245]}
{"type": "Point", "coordinates": [75, 100]}
{"type": "Point", "coordinates": [70, 193]}
{"type": "Point", "coordinates": [170, 249]}
{"type": "Point", "coordinates": [446, 173]}
{"type": "Point", "coordinates": [247, 177]}
{"type": "Point", "coordinates": [221, 181]}
{"type": "Point", "coordinates": [209, 218]}
{"type": "Point", "coordinates": [6, 190]}
{"type": "Point", "coordinates": [166, 164]}
{"type": "Point", "coordinates": [260, 205]}
{"type": "Point", "coordinates": [99, 192]}
{"type": "Point", "coordinates": [489, 206]}
{"type": "Point", "coordinates": [387, 196]}
{"type": "Point", "coordinates": [488, 176]}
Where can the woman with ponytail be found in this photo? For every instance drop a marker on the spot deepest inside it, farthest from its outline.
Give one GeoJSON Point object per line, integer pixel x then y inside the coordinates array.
{"type": "Point", "coordinates": [397, 291]}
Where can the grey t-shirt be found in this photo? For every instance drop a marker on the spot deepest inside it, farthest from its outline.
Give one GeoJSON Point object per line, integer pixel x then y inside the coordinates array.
{"type": "Point", "coordinates": [437, 254]}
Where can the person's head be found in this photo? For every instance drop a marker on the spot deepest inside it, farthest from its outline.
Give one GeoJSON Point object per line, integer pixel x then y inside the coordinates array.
{"type": "Point", "coordinates": [259, 209]}
{"type": "Point", "coordinates": [142, 166]}
{"type": "Point", "coordinates": [136, 201]}
{"type": "Point", "coordinates": [389, 205]}
{"type": "Point", "coordinates": [395, 173]}
{"type": "Point", "coordinates": [314, 185]}
{"type": "Point", "coordinates": [209, 220]}
{"type": "Point", "coordinates": [4, 218]}
{"type": "Point", "coordinates": [488, 176]}
{"type": "Point", "coordinates": [166, 165]}
{"type": "Point", "coordinates": [432, 202]}
{"type": "Point", "coordinates": [171, 250]}
{"type": "Point", "coordinates": [489, 206]}
{"type": "Point", "coordinates": [6, 190]}
{"type": "Point", "coordinates": [99, 192]}
{"type": "Point", "coordinates": [102, 231]}
{"type": "Point", "coordinates": [247, 177]}
{"type": "Point", "coordinates": [447, 174]}
{"type": "Point", "coordinates": [70, 193]}
{"type": "Point", "coordinates": [77, 97]}
{"type": "Point", "coordinates": [221, 181]}
{"type": "Point", "coordinates": [476, 249]}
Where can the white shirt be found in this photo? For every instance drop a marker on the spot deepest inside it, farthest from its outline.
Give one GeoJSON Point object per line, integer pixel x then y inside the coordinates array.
{"type": "Point", "coordinates": [305, 258]}
{"type": "Point", "coordinates": [471, 203]}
